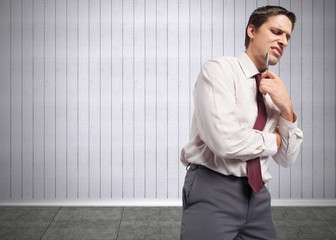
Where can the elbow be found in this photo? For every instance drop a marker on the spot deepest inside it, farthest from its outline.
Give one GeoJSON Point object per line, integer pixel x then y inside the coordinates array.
{"type": "Point", "coordinates": [282, 161]}
{"type": "Point", "coordinates": [218, 150]}
{"type": "Point", "coordinates": [285, 164]}
{"type": "Point", "coordinates": [285, 160]}
{"type": "Point", "coordinates": [228, 149]}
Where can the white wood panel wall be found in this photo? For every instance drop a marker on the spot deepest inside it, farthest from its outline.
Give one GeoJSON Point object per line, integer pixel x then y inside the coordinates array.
{"type": "Point", "coordinates": [96, 95]}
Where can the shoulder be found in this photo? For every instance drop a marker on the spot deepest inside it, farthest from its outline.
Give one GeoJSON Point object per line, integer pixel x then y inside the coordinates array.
{"type": "Point", "coordinates": [226, 66]}
{"type": "Point", "coordinates": [222, 61]}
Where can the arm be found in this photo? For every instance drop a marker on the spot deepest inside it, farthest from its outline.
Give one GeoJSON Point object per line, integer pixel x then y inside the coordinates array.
{"type": "Point", "coordinates": [291, 139]}
{"type": "Point", "coordinates": [273, 85]}
{"type": "Point", "coordinates": [218, 116]}
{"type": "Point", "coordinates": [278, 138]}
{"type": "Point", "coordinates": [289, 136]}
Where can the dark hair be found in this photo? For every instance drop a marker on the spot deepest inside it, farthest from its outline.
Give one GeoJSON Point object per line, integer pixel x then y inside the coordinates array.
{"type": "Point", "coordinates": [261, 15]}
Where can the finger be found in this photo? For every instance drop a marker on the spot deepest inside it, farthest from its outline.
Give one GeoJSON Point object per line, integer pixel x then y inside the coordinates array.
{"type": "Point", "coordinates": [268, 74]}
{"type": "Point", "coordinates": [269, 86]}
{"type": "Point", "coordinates": [263, 89]}
{"type": "Point", "coordinates": [268, 83]}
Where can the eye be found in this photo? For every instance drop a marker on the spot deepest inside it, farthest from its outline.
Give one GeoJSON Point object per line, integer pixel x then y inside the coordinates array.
{"type": "Point", "coordinates": [276, 32]}
{"type": "Point", "coordinates": [279, 32]}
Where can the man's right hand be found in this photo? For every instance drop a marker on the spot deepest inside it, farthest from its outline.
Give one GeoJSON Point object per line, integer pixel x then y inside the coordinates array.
{"type": "Point", "coordinates": [278, 137]}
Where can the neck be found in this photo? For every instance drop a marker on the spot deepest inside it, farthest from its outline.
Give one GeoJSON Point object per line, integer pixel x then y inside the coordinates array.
{"type": "Point", "coordinates": [260, 65]}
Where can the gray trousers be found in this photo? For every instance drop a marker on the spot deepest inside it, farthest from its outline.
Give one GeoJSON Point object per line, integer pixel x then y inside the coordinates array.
{"type": "Point", "coordinates": [219, 207]}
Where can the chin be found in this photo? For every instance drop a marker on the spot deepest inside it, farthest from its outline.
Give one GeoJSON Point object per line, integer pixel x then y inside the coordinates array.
{"type": "Point", "coordinates": [274, 62]}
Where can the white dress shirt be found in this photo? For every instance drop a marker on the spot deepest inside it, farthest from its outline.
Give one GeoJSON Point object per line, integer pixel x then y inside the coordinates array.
{"type": "Point", "coordinates": [222, 137]}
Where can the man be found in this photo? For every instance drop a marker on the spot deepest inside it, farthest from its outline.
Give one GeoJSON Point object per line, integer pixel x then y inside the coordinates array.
{"type": "Point", "coordinates": [221, 199]}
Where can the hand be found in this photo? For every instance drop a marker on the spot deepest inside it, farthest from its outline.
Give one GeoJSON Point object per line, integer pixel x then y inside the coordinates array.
{"type": "Point", "coordinates": [273, 85]}
{"type": "Point", "coordinates": [278, 137]}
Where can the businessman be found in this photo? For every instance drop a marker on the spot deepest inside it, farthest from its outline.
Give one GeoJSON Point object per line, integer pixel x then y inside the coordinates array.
{"type": "Point", "coordinates": [243, 115]}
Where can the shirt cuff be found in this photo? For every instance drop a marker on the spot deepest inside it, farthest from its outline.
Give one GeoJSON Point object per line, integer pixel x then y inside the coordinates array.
{"type": "Point", "coordinates": [285, 126]}
{"type": "Point", "coordinates": [291, 136]}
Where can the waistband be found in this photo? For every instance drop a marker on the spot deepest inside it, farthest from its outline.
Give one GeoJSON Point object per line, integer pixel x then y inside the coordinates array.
{"type": "Point", "coordinates": [193, 166]}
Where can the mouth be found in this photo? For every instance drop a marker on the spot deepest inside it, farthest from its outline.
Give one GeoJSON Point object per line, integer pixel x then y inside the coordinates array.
{"type": "Point", "coordinates": [277, 52]}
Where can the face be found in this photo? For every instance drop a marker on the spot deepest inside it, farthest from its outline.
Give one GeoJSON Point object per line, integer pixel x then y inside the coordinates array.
{"type": "Point", "coordinates": [272, 36]}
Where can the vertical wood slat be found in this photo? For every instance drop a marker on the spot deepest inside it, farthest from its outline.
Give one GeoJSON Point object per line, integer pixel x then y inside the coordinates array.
{"type": "Point", "coordinates": [172, 97]}
{"type": "Point", "coordinates": [139, 101]}
{"type": "Point", "coordinates": [96, 95]}
{"type": "Point", "coordinates": [106, 99]}
{"type": "Point", "coordinates": [5, 100]}
{"type": "Point", "coordinates": [71, 99]}
{"type": "Point", "coordinates": [83, 100]}
{"type": "Point", "coordinates": [307, 99]}
{"type": "Point", "coordinates": [239, 26]}
{"type": "Point", "coordinates": [329, 99]}
{"type": "Point", "coordinates": [16, 99]}
{"type": "Point", "coordinates": [50, 96]}
{"type": "Point", "coordinates": [38, 100]}
{"type": "Point", "coordinates": [229, 43]}
{"type": "Point", "coordinates": [150, 99]}
{"type": "Point", "coordinates": [27, 100]}
{"type": "Point", "coordinates": [318, 100]}
{"type": "Point", "coordinates": [60, 100]}
{"type": "Point", "coordinates": [218, 30]}
{"type": "Point", "coordinates": [127, 99]}
{"type": "Point", "coordinates": [161, 96]}
{"type": "Point", "coordinates": [206, 9]}
{"type": "Point", "coordinates": [117, 105]}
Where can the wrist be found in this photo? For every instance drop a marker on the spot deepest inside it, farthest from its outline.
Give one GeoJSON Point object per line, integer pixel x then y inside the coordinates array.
{"type": "Point", "coordinates": [278, 138]}
{"type": "Point", "coordinates": [288, 114]}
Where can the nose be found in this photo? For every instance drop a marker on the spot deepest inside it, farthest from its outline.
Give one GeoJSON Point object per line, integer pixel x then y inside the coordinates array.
{"type": "Point", "coordinates": [283, 40]}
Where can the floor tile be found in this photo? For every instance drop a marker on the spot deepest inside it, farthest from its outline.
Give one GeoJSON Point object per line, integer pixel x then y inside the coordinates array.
{"type": "Point", "coordinates": [150, 223]}
{"type": "Point", "coordinates": [85, 223]}
{"type": "Point", "coordinates": [296, 223]}
{"type": "Point", "coordinates": [25, 222]}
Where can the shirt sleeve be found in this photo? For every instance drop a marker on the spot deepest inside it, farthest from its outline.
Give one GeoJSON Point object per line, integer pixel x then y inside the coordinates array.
{"type": "Point", "coordinates": [291, 139]}
{"type": "Point", "coordinates": [218, 117]}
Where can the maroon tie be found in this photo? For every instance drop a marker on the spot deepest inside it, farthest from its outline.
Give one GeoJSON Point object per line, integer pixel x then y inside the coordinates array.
{"type": "Point", "coordinates": [253, 165]}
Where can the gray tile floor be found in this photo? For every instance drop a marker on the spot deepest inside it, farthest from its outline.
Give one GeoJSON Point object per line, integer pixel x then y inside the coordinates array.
{"type": "Point", "coordinates": [318, 223]}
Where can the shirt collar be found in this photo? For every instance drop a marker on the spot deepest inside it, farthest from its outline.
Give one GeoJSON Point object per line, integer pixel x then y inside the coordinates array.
{"type": "Point", "coordinates": [247, 65]}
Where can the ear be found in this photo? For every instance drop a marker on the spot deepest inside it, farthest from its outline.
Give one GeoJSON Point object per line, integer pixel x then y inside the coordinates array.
{"type": "Point", "coordinates": [251, 31]}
